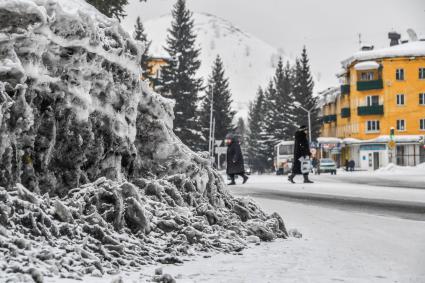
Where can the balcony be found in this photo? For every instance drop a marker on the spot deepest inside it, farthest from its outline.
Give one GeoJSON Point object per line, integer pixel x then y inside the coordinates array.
{"type": "Point", "coordinates": [329, 118]}
{"type": "Point", "coordinates": [345, 89]}
{"type": "Point", "coordinates": [345, 112]}
{"type": "Point", "coordinates": [369, 85]}
{"type": "Point", "coordinates": [370, 110]}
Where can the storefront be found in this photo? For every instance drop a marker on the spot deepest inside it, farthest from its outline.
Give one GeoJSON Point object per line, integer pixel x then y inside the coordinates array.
{"type": "Point", "coordinates": [376, 153]}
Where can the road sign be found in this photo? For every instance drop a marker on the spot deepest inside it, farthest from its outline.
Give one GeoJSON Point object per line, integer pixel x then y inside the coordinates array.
{"type": "Point", "coordinates": [221, 150]}
{"type": "Point", "coordinates": [391, 144]}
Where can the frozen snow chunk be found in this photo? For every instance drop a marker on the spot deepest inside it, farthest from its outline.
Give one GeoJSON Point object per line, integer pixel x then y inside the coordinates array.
{"type": "Point", "coordinates": [253, 239]}
{"type": "Point", "coordinates": [19, 16]}
{"type": "Point", "coordinates": [295, 233]}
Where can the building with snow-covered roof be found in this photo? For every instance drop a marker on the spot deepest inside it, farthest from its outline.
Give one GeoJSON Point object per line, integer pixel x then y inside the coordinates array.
{"type": "Point", "coordinates": [381, 89]}
{"type": "Point", "coordinates": [155, 65]}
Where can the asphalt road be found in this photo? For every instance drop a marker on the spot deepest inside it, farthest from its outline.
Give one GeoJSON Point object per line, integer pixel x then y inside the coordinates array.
{"type": "Point", "coordinates": [403, 209]}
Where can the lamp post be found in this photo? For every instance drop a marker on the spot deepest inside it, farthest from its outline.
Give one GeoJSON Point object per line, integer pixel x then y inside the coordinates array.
{"type": "Point", "coordinates": [297, 104]}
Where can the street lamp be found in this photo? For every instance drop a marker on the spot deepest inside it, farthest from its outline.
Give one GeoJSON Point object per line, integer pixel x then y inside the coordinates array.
{"type": "Point", "coordinates": [297, 104]}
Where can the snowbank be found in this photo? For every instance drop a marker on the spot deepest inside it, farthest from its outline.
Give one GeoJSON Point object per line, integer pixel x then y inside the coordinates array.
{"type": "Point", "coordinates": [92, 178]}
{"type": "Point", "coordinates": [392, 169]}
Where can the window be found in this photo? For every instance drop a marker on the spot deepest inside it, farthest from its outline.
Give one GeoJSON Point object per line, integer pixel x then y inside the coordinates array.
{"type": "Point", "coordinates": [372, 100]}
{"type": "Point", "coordinates": [422, 124]}
{"type": "Point", "coordinates": [401, 125]}
{"type": "Point", "coordinates": [399, 74]}
{"type": "Point", "coordinates": [366, 76]}
{"type": "Point", "coordinates": [372, 126]}
{"type": "Point", "coordinates": [422, 98]}
{"type": "Point", "coordinates": [400, 99]}
{"type": "Point", "coordinates": [421, 73]}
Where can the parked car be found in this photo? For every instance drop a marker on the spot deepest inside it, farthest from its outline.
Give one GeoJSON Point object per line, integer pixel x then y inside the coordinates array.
{"type": "Point", "coordinates": [327, 165]}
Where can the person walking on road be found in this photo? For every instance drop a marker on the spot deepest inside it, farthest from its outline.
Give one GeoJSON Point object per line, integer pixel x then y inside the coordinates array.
{"type": "Point", "coordinates": [235, 165]}
{"type": "Point", "coordinates": [301, 149]}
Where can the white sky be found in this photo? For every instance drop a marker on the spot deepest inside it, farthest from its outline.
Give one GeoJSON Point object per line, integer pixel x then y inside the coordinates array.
{"type": "Point", "coordinates": [329, 28]}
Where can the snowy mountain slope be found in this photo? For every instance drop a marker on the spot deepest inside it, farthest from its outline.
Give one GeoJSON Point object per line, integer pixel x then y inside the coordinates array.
{"type": "Point", "coordinates": [249, 62]}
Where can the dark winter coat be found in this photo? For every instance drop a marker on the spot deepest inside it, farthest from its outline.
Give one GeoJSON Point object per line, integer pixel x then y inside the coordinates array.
{"type": "Point", "coordinates": [234, 158]}
{"type": "Point", "coordinates": [301, 148]}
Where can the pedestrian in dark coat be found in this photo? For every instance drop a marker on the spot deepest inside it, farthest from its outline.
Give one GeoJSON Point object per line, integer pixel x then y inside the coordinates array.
{"type": "Point", "coordinates": [301, 149]}
{"type": "Point", "coordinates": [352, 165]}
{"type": "Point", "coordinates": [235, 165]}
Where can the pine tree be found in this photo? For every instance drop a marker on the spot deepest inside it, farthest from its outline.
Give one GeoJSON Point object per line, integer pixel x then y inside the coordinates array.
{"type": "Point", "coordinates": [303, 94]}
{"type": "Point", "coordinates": [280, 114]}
{"type": "Point", "coordinates": [241, 130]}
{"type": "Point", "coordinates": [111, 8]}
{"type": "Point", "coordinates": [271, 116]}
{"type": "Point", "coordinates": [284, 87]}
{"type": "Point", "coordinates": [218, 85]}
{"type": "Point", "coordinates": [140, 35]}
{"type": "Point", "coordinates": [179, 76]}
{"type": "Point", "coordinates": [256, 149]}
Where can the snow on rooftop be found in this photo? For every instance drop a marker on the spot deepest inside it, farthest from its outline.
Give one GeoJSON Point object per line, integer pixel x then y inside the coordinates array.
{"type": "Point", "coordinates": [410, 49]}
{"type": "Point", "coordinates": [328, 96]}
{"type": "Point", "coordinates": [367, 65]}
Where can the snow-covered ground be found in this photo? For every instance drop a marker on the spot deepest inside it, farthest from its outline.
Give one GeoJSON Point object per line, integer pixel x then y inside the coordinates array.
{"type": "Point", "coordinates": [338, 245]}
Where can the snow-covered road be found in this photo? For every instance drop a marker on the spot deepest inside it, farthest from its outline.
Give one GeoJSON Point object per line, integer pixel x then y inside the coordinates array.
{"type": "Point", "coordinates": [329, 191]}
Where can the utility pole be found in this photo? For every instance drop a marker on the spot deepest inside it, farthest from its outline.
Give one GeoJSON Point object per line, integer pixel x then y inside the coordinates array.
{"type": "Point", "coordinates": [211, 121]}
{"type": "Point", "coordinates": [213, 139]}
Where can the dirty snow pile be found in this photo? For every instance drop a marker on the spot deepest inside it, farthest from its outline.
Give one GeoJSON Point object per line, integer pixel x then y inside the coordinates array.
{"type": "Point", "coordinates": [93, 180]}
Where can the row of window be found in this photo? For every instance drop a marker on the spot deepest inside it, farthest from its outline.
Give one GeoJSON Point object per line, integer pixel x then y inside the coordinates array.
{"type": "Point", "coordinates": [372, 100]}
{"type": "Point", "coordinates": [399, 74]}
{"type": "Point", "coordinates": [374, 125]}
{"type": "Point", "coordinates": [401, 100]}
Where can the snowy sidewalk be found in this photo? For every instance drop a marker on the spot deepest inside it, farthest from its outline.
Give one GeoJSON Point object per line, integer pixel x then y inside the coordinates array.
{"type": "Point", "coordinates": [323, 186]}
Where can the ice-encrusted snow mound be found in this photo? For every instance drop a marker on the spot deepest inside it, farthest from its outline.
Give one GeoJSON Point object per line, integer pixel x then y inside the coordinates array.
{"type": "Point", "coordinates": [92, 178]}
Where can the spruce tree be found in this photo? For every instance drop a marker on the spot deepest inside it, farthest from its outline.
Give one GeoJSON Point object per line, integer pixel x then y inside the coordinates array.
{"type": "Point", "coordinates": [271, 119]}
{"type": "Point", "coordinates": [241, 130]}
{"type": "Point", "coordinates": [303, 94]}
{"type": "Point", "coordinates": [218, 85]}
{"type": "Point", "coordinates": [179, 76]}
{"type": "Point", "coordinates": [256, 149]}
{"type": "Point", "coordinates": [111, 8]}
{"type": "Point", "coordinates": [284, 86]}
{"type": "Point", "coordinates": [280, 116]}
{"type": "Point", "coordinates": [140, 35]}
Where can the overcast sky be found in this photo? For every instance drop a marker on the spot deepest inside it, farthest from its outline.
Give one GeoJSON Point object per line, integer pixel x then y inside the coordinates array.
{"type": "Point", "coordinates": [328, 28]}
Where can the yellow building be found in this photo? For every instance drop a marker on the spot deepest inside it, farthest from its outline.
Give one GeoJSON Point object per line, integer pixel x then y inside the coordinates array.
{"type": "Point", "coordinates": [155, 65]}
{"type": "Point", "coordinates": [381, 89]}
